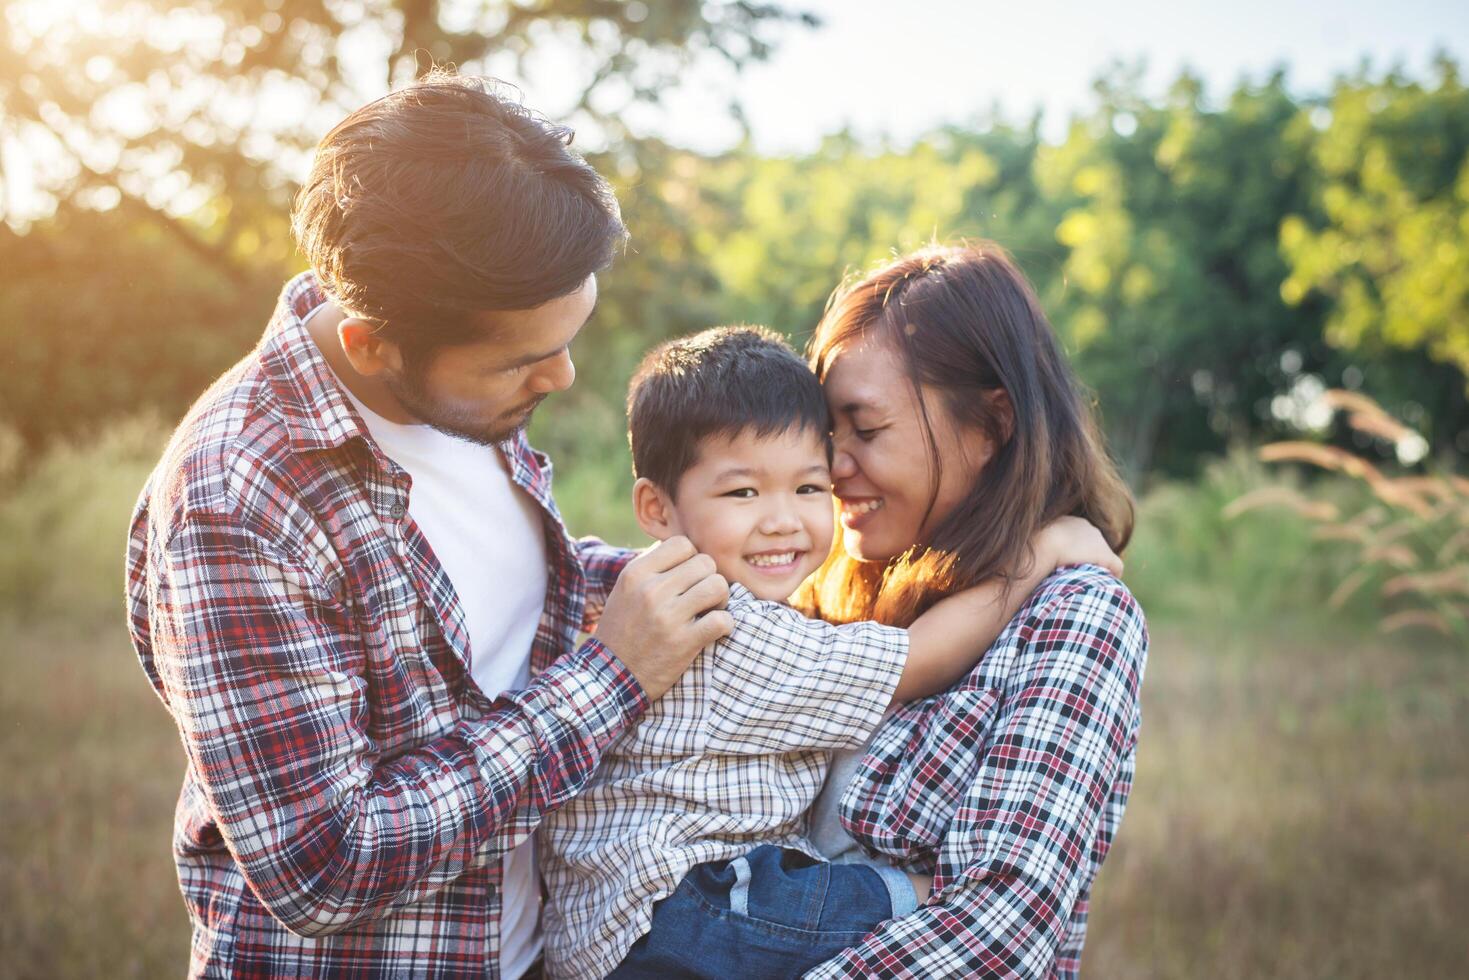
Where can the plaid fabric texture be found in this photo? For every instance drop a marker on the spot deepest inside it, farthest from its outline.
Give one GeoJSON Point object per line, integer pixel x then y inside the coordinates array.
{"type": "Point", "coordinates": [1008, 789]}
{"type": "Point", "coordinates": [731, 757]}
{"type": "Point", "coordinates": [349, 790]}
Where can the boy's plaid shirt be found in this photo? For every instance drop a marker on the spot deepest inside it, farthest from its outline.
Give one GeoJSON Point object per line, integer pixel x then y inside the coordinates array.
{"type": "Point", "coordinates": [1008, 789]}
{"type": "Point", "coordinates": [730, 758]}
{"type": "Point", "coordinates": [349, 790]}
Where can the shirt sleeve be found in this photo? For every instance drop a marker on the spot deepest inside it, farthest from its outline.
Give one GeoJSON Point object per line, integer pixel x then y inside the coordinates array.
{"type": "Point", "coordinates": [784, 683]}
{"type": "Point", "coordinates": [259, 662]}
{"type": "Point", "coordinates": [1016, 855]}
{"type": "Point", "coordinates": [602, 562]}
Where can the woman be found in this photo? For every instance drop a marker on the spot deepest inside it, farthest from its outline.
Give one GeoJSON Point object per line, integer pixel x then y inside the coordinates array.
{"type": "Point", "coordinates": [960, 430]}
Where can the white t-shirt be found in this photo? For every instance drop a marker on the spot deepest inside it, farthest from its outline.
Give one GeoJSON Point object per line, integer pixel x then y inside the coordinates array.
{"type": "Point", "coordinates": [487, 534]}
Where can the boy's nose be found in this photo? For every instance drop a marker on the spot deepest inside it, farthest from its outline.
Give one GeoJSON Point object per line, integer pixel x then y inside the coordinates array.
{"type": "Point", "coordinates": [780, 519]}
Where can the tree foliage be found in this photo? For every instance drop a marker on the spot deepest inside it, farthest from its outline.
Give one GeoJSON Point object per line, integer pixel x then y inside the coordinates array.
{"type": "Point", "coordinates": [1387, 239]}
{"type": "Point", "coordinates": [1205, 257]}
{"type": "Point", "coordinates": [158, 145]}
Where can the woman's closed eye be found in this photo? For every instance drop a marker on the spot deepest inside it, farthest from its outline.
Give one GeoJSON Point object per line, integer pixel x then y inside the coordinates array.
{"type": "Point", "coordinates": [865, 433]}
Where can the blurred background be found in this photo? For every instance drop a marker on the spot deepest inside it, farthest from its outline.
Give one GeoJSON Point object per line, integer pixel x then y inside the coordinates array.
{"type": "Point", "coordinates": [1248, 222]}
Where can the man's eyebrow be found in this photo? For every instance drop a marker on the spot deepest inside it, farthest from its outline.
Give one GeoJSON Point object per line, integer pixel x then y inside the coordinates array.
{"type": "Point", "coordinates": [533, 358]}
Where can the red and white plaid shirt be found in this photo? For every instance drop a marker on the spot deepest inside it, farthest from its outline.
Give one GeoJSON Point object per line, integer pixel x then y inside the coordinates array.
{"type": "Point", "coordinates": [349, 790]}
{"type": "Point", "coordinates": [1008, 789]}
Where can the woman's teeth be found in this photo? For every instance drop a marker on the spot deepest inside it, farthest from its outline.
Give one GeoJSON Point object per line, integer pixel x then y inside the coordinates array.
{"type": "Point", "coordinates": [860, 507]}
{"type": "Point", "coordinates": [769, 561]}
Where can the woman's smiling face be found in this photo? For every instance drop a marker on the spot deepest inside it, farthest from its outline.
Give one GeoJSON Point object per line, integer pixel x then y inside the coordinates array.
{"type": "Point", "coordinates": [883, 470]}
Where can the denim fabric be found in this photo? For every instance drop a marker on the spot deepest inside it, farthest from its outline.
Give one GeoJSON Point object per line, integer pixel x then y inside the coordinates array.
{"type": "Point", "coordinates": [773, 913]}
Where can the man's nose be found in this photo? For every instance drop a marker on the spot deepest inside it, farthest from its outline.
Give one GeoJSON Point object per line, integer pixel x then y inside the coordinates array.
{"type": "Point", "coordinates": [556, 374]}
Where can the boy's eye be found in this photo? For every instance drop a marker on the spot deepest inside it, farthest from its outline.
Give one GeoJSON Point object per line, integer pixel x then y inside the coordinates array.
{"type": "Point", "coordinates": [742, 492]}
{"type": "Point", "coordinates": [812, 488]}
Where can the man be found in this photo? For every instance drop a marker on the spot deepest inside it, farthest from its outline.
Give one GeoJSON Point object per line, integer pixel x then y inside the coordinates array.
{"type": "Point", "coordinates": [351, 587]}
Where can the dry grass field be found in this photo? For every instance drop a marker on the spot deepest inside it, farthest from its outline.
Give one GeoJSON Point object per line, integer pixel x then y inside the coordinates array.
{"type": "Point", "coordinates": [1300, 811]}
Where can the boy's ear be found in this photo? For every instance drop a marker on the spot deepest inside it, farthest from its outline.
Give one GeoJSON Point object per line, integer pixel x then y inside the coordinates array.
{"type": "Point", "coordinates": [653, 509]}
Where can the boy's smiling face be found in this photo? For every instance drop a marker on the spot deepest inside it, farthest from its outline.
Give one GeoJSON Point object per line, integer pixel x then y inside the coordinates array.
{"type": "Point", "coordinates": [760, 506]}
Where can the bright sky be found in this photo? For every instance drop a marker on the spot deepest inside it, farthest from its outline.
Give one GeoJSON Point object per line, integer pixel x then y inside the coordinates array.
{"type": "Point", "coordinates": [898, 68]}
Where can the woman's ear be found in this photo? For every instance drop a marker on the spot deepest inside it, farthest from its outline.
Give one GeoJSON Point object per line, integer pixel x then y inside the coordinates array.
{"type": "Point", "coordinates": [978, 444]}
{"type": "Point", "coordinates": [654, 510]}
{"type": "Point", "coordinates": [1004, 411]}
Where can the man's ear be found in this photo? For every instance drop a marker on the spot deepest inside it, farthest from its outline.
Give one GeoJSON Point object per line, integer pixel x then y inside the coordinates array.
{"type": "Point", "coordinates": [654, 510]}
{"type": "Point", "coordinates": [369, 352]}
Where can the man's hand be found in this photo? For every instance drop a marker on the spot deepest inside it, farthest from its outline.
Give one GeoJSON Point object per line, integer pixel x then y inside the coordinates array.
{"type": "Point", "coordinates": [667, 605]}
{"type": "Point", "coordinates": [1073, 541]}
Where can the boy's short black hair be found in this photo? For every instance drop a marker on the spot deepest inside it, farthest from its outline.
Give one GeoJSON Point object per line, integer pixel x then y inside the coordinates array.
{"type": "Point", "coordinates": [721, 381]}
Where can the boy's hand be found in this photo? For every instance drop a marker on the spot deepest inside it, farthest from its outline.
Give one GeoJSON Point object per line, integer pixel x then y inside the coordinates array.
{"type": "Point", "coordinates": [667, 605]}
{"type": "Point", "coordinates": [1073, 541]}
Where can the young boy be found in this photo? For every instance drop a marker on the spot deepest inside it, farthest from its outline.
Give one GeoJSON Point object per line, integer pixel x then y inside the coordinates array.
{"type": "Point", "coordinates": [686, 854]}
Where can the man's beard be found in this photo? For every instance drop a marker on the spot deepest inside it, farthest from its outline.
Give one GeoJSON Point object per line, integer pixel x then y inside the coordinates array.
{"type": "Point", "coordinates": [411, 393]}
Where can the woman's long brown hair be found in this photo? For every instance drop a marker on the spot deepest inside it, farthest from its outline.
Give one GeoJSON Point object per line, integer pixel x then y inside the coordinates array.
{"type": "Point", "coordinates": [967, 323]}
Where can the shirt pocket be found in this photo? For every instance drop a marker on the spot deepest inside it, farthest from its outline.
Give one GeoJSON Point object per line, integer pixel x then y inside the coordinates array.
{"type": "Point", "coordinates": [918, 769]}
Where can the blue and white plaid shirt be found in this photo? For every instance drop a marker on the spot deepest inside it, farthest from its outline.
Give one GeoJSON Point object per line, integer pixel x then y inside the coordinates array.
{"type": "Point", "coordinates": [730, 758]}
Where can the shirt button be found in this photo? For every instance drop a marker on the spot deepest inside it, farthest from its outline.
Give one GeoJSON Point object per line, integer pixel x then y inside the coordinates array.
{"type": "Point", "coordinates": [397, 511]}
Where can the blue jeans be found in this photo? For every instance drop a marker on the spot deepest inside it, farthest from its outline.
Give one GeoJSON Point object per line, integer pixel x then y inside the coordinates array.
{"type": "Point", "coordinates": [769, 914]}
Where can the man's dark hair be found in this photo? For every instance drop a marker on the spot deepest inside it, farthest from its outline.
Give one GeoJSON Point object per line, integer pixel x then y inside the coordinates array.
{"type": "Point", "coordinates": [446, 199]}
{"type": "Point", "coordinates": [720, 382]}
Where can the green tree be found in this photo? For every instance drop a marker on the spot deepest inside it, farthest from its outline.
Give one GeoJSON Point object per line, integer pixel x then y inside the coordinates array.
{"type": "Point", "coordinates": [1387, 238]}
{"type": "Point", "coordinates": [777, 234]}
{"type": "Point", "coordinates": [150, 153]}
{"type": "Point", "coordinates": [1170, 300]}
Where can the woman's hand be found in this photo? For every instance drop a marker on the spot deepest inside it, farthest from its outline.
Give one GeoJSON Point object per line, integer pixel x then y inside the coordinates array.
{"type": "Point", "coordinates": [1073, 541]}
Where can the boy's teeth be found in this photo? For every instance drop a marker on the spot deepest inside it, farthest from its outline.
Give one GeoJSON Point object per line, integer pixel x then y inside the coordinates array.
{"type": "Point", "coordinates": [785, 558]}
{"type": "Point", "coordinates": [862, 507]}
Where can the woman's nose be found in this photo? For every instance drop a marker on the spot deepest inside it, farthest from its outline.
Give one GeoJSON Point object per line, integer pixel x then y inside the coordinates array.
{"type": "Point", "coordinates": [843, 466]}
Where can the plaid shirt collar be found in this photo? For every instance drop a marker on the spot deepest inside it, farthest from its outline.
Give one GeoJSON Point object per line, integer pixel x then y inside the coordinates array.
{"type": "Point", "coordinates": [314, 410]}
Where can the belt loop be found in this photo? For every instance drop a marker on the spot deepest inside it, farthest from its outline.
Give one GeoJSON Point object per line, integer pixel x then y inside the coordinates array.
{"type": "Point", "coordinates": [739, 894]}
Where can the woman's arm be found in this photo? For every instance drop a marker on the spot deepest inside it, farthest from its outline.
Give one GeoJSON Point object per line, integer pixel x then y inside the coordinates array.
{"type": "Point", "coordinates": [1028, 771]}
{"type": "Point", "coordinates": [947, 641]}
